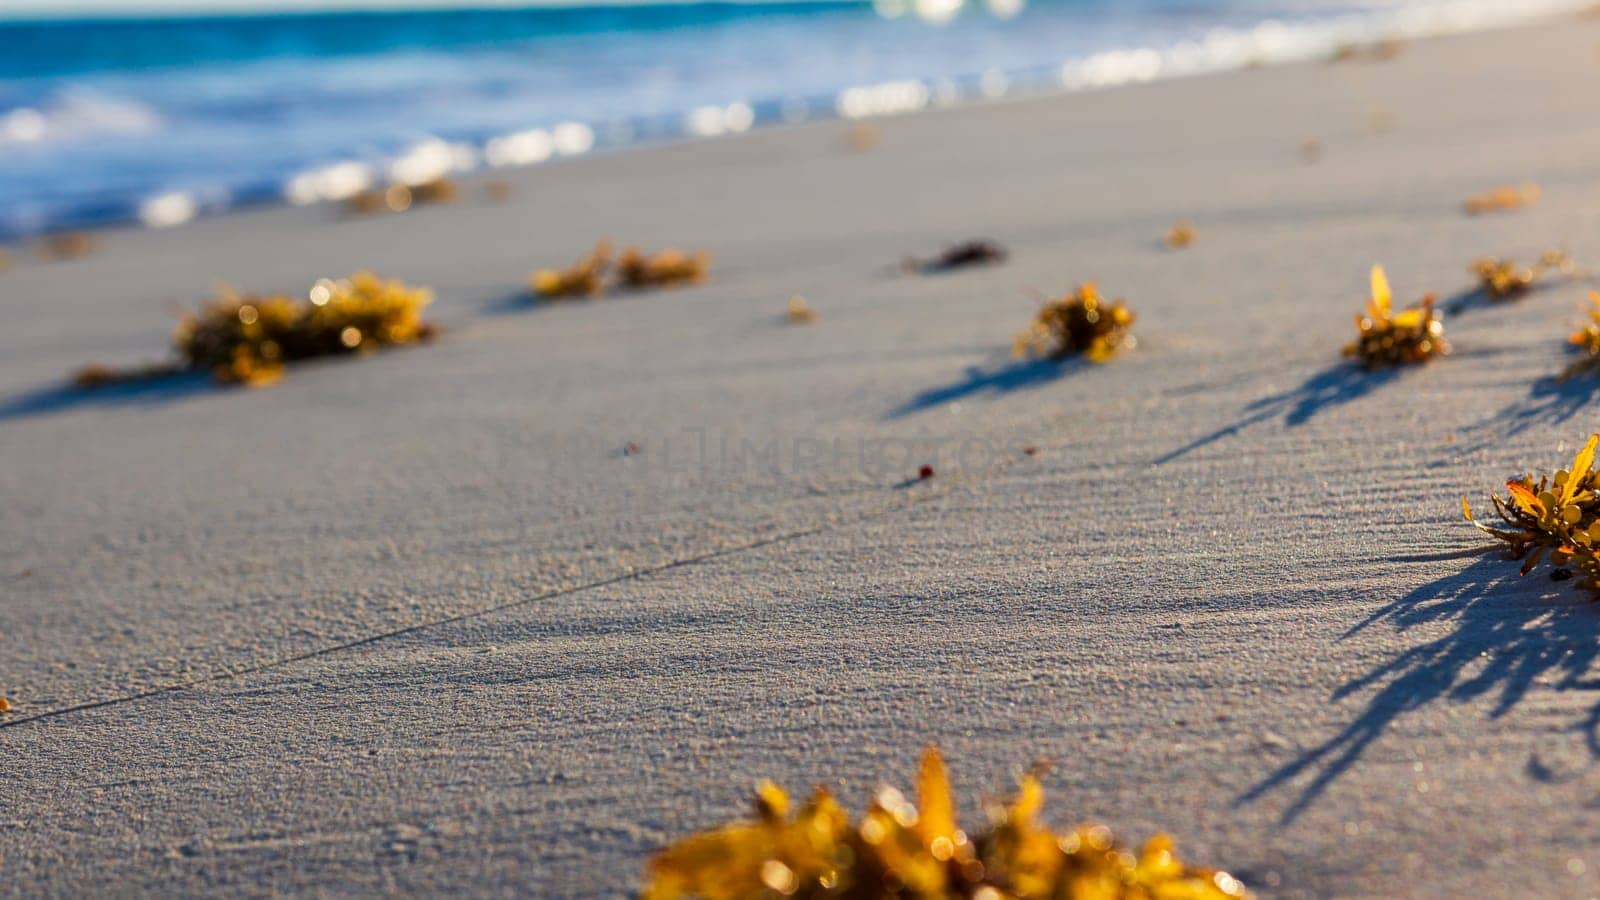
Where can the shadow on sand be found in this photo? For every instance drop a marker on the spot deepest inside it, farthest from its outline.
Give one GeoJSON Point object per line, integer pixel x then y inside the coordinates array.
{"type": "Point", "coordinates": [1479, 298]}
{"type": "Point", "coordinates": [524, 300]}
{"type": "Point", "coordinates": [999, 379]}
{"type": "Point", "coordinates": [1331, 387]}
{"type": "Point", "coordinates": [145, 392]}
{"type": "Point", "coordinates": [1506, 634]}
{"type": "Point", "coordinates": [1550, 402]}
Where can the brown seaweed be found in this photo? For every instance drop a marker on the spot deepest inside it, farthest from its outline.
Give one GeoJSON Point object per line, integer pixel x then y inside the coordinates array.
{"type": "Point", "coordinates": [959, 256]}
{"type": "Point", "coordinates": [246, 339]}
{"type": "Point", "coordinates": [399, 197]}
{"type": "Point", "coordinates": [1388, 338]}
{"type": "Point", "coordinates": [1586, 341]}
{"type": "Point", "coordinates": [1504, 279]}
{"type": "Point", "coordinates": [1554, 519]}
{"type": "Point", "coordinates": [1503, 199]}
{"type": "Point", "coordinates": [799, 311]}
{"type": "Point", "coordinates": [665, 268]}
{"type": "Point", "coordinates": [1082, 322]}
{"type": "Point", "coordinates": [901, 849]}
{"type": "Point", "coordinates": [64, 245]}
{"type": "Point", "coordinates": [584, 278]}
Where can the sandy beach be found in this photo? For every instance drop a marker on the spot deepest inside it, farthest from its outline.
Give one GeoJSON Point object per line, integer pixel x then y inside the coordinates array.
{"type": "Point", "coordinates": [425, 623]}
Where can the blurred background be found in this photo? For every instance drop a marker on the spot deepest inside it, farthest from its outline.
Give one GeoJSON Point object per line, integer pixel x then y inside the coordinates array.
{"type": "Point", "coordinates": [122, 110]}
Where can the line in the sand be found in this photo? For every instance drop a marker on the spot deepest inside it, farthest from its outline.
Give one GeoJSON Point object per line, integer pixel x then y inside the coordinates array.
{"type": "Point", "coordinates": [412, 629]}
{"type": "Point", "coordinates": [281, 662]}
{"type": "Point", "coordinates": [898, 501]}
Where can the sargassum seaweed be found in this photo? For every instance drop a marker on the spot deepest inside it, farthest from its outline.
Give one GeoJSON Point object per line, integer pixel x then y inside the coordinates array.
{"type": "Point", "coordinates": [1503, 199]}
{"type": "Point", "coordinates": [1586, 341]}
{"type": "Point", "coordinates": [1388, 338]}
{"type": "Point", "coordinates": [665, 268]}
{"type": "Point", "coordinates": [799, 311]}
{"type": "Point", "coordinates": [247, 340]}
{"type": "Point", "coordinates": [1556, 518]}
{"type": "Point", "coordinates": [584, 278]}
{"type": "Point", "coordinates": [1504, 279]}
{"type": "Point", "coordinates": [1082, 322]}
{"type": "Point", "coordinates": [244, 339]}
{"type": "Point", "coordinates": [979, 252]}
{"type": "Point", "coordinates": [900, 849]}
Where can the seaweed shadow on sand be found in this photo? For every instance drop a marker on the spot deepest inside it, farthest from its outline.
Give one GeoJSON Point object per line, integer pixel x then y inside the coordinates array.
{"type": "Point", "coordinates": [1002, 378]}
{"type": "Point", "coordinates": [1333, 386]}
{"type": "Point", "coordinates": [1551, 401]}
{"type": "Point", "coordinates": [167, 388]}
{"type": "Point", "coordinates": [1480, 298]}
{"type": "Point", "coordinates": [1506, 634]}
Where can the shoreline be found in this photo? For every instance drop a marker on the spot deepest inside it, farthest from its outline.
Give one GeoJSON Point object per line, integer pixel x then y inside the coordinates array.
{"type": "Point", "coordinates": [1269, 43]}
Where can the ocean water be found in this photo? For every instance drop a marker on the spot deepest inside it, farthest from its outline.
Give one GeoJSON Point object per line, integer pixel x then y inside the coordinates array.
{"type": "Point", "coordinates": [161, 119]}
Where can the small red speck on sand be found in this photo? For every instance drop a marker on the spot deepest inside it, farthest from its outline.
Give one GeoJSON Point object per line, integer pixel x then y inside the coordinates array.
{"type": "Point", "coordinates": [925, 472]}
{"type": "Point", "coordinates": [1030, 451]}
{"type": "Point", "coordinates": [5, 705]}
{"type": "Point", "coordinates": [632, 449]}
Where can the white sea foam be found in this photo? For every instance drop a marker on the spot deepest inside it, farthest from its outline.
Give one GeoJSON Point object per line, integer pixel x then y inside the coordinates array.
{"type": "Point", "coordinates": [1275, 42]}
{"type": "Point", "coordinates": [521, 148]}
{"type": "Point", "coordinates": [338, 181]}
{"type": "Point", "coordinates": [709, 121]}
{"type": "Point", "coordinates": [572, 138]}
{"type": "Point", "coordinates": [74, 115]}
{"type": "Point", "coordinates": [169, 209]}
{"type": "Point", "coordinates": [1308, 29]}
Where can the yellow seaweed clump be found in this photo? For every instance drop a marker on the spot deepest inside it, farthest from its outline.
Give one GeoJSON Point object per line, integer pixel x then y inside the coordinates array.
{"type": "Point", "coordinates": [664, 269]}
{"type": "Point", "coordinates": [1555, 518]}
{"type": "Point", "coordinates": [1586, 341]}
{"type": "Point", "coordinates": [244, 339]}
{"type": "Point", "coordinates": [901, 849]}
{"type": "Point", "coordinates": [1388, 338]}
{"type": "Point", "coordinates": [1503, 199]}
{"type": "Point", "coordinates": [66, 245]}
{"type": "Point", "coordinates": [799, 311]}
{"type": "Point", "coordinates": [399, 196]}
{"type": "Point", "coordinates": [584, 278]}
{"type": "Point", "coordinates": [1504, 279]}
{"type": "Point", "coordinates": [1080, 323]}
{"type": "Point", "coordinates": [1181, 235]}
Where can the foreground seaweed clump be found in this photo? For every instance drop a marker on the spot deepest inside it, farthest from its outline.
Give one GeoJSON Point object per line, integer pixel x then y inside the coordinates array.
{"type": "Point", "coordinates": [1389, 338]}
{"type": "Point", "coordinates": [1556, 517]}
{"type": "Point", "coordinates": [1080, 323]}
{"type": "Point", "coordinates": [243, 339]}
{"type": "Point", "coordinates": [899, 849]}
{"type": "Point", "coordinates": [247, 340]}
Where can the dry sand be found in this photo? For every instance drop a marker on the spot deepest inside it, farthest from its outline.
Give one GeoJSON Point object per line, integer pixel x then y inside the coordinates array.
{"type": "Point", "coordinates": [433, 631]}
